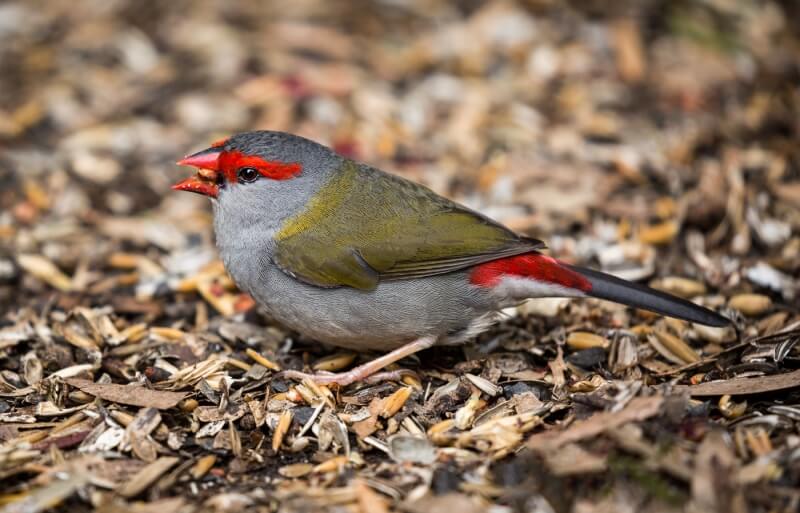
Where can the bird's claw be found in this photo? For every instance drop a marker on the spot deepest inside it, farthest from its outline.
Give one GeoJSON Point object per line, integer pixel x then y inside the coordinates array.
{"type": "Point", "coordinates": [346, 378]}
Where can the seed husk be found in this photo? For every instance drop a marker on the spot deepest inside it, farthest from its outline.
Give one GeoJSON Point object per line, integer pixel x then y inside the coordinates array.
{"type": "Point", "coordinates": [331, 465]}
{"type": "Point", "coordinates": [673, 348]}
{"type": "Point", "coordinates": [335, 362]}
{"type": "Point", "coordinates": [585, 340]}
{"type": "Point", "coordinates": [262, 360]}
{"type": "Point", "coordinates": [730, 409]}
{"type": "Point", "coordinates": [296, 470]}
{"type": "Point", "coordinates": [167, 333]}
{"type": "Point", "coordinates": [394, 402]}
{"type": "Point", "coordinates": [750, 304]}
{"type": "Point", "coordinates": [412, 381]}
{"type": "Point", "coordinates": [683, 287]}
{"type": "Point", "coordinates": [715, 335]}
{"type": "Point", "coordinates": [280, 430]}
{"type": "Point", "coordinates": [659, 234]}
{"type": "Point", "coordinates": [188, 405]}
{"type": "Point", "coordinates": [441, 427]}
{"type": "Point", "coordinates": [202, 466]}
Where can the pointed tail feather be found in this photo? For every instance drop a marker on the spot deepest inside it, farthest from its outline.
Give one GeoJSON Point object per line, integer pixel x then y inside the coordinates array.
{"type": "Point", "coordinates": [544, 276]}
{"type": "Point", "coordinates": [605, 286]}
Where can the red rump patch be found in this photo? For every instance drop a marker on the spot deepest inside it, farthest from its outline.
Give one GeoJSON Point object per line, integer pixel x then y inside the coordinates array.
{"type": "Point", "coordinates": [231, 161]}
{"type": "Point", "coordinates": [530, 265]}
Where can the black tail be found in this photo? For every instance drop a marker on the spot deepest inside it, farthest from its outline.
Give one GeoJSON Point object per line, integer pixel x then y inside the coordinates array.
{"type": "Point", "coordinates": [605, 286]}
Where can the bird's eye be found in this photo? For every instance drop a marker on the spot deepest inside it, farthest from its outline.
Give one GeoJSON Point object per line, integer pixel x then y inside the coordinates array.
{"type": "Point", "coordinates": [247, 174]}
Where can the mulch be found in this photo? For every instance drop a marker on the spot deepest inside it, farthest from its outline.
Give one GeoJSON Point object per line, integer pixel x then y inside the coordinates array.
{"type": "Point", "coordinates": [657, 141]}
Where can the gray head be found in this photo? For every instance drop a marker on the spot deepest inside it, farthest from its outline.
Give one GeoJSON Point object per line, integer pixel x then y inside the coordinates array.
{"type": "Point", "coordinates": [275, 147]}
{"type": "Point", "coordinates": [260, 176]}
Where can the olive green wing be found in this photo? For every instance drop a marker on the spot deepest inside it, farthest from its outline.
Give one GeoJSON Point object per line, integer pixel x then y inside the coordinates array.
{"type": "Point", "coordinates": [365, 226]}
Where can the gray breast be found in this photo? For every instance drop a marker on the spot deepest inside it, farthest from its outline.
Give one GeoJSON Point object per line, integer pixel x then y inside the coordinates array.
{"type": "Point", "coordinates": [382, 319]}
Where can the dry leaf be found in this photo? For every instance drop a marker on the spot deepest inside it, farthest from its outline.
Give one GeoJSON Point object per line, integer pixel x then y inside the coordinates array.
{"type": "Point", "coordinates": [640, 408]}
{"type": "Point", "coordinates": [134, 395]}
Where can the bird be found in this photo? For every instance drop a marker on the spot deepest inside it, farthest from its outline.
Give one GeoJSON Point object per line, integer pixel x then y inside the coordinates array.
{"type": "Point", "coordinates": [352, 256]}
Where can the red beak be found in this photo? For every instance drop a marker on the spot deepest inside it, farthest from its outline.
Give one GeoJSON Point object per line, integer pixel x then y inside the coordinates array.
{"type": "Point", "coordinates": [199, 185]}
{"type": "Point", "coordinates": [204, 182]}
{"type": "Point", "coordinates": [206, 159]}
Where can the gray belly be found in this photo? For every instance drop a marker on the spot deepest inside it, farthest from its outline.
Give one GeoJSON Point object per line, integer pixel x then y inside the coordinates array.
{"type": "Point", "coordinates": [391, 315]}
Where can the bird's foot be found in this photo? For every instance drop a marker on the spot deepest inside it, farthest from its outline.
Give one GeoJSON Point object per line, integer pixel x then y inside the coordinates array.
{"type": "Point", "coordinates": [367, 371]}
{"type": "Point", "coordinates": [346, 378]}
{"type": "Point", "coordinates": [395, 375]}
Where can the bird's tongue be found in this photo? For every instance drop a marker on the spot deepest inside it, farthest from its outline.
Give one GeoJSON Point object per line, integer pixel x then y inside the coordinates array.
{"type": "Point", "coordinates": [205, 181]}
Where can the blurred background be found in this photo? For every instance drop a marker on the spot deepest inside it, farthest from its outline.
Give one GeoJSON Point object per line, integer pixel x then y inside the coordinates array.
{"type": "Point", "coordinates": [617, 132]}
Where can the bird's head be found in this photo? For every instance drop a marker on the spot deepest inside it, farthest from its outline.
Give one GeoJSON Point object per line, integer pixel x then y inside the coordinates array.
{"type": "Point", "coordinates": [247, 162]}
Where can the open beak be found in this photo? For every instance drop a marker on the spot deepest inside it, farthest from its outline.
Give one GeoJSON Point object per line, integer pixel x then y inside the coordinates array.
{"type": "Point", "coordinates": [206, 180]}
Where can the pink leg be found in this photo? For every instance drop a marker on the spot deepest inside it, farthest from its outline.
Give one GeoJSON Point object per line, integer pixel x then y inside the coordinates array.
{"type": "Point", "coordinates": [368, 369]}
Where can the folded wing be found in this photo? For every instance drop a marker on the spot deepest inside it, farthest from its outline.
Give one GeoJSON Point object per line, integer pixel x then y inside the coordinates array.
{"type": "Point", "coordinates": [365, 226]}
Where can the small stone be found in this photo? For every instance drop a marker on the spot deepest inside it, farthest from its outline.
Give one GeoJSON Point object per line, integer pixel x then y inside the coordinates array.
{"type": "Point", "coordinates": [523, 387]}
{"type": "Point", "coordinates": [7, 270]}
{"type": "Point", "coordinates": [445, 479]}
{"type": "Point", "coordinates": [587, 358]}
{"type": "Point", "coordinates": [96, 168]}
{"type": "Point", "coordinates": [279, 385]}
{"type": "Point", "coordinates": [302, 415]}
{"type": "Point", "coordinates": [412, 449]}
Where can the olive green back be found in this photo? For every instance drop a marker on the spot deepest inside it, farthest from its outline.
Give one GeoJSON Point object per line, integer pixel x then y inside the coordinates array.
{"type": "Point", "coordinates": [365, 225]}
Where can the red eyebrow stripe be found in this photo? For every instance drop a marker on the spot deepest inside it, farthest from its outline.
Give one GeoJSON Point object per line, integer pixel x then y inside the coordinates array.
{"type": "Point", "coordinates": [231, 161]}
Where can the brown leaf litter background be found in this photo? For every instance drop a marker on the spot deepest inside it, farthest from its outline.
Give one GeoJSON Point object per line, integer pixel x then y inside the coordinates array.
{"type": "Point", "coordinates": [659, 140]}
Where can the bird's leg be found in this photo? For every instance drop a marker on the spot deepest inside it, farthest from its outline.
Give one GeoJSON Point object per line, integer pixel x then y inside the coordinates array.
{"type": "Point", "coordinates": [368, 369]}
{"type": "Point", "coordinates": [393, 375]}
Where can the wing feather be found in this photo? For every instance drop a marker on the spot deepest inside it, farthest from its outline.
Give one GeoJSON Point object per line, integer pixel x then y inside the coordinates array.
{"type": "Point", "coordinates": [365, 225]}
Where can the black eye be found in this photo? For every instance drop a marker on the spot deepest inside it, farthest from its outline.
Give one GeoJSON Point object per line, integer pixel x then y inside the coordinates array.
{"type": "Point", "coordinates": [247, 174]}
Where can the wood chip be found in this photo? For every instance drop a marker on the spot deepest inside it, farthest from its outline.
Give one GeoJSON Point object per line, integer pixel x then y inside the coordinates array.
{"type": "Point", "coordinates": [591, 127]}
{"type": "Point", "coordinates": [46, 497]}
{"type": "Point", "coordinates": [572, 459]}
{"type": "Point", "coordinates": [280, 430]}
{"type": "Point", "coordinates": [713, 489]}
{"type": "Point", "coordinates": [630, 57]}
{"type": "Point", "coordinates": [146, 476]}
{"type": "Point", "coordinates": [263, 361]}
{"type": "Point", "coordinates": [134, 395]}
{"type": "Point", "coordinates": [744, 386]}
{"type": "Point", "coordinates": [368, 500]}
{"type": "Point", "coordinates": [213, 413]}
{"type": "Point", "coordinates": [45, 270]}
{"type": "Point", "coordinates": [138, 434]}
